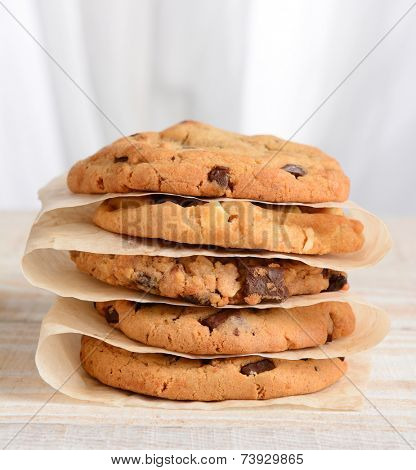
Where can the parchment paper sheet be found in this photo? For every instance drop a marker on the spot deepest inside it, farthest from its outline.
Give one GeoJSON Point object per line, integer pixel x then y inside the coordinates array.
{"type": "Point", "coordinates": [54, 271]}
{"type": "Point", "coordinates": [72, 229]}
{"type": "Point", "coordinates": [75, 316]}
{"type": "Point", "coordinates": [57, 359]}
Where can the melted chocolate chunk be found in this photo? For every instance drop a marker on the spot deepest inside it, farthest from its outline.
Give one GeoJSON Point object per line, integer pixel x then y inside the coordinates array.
{"type": "Point", "coordinates": [342, 359]}
{"type": "Point", "coordinates": [267, 281]}
{"type": "Point", "coordinates": [255, 368]}
{"type": "Point", "coordinates": [294, 170]}
{"type": "Point", "coordinates": [263, 205]}
{"type": "Point", "coordinates": [215, 320]}
{"type": "Point", "coordinates": [111, 315]}
{"type": "Point", "coordinates": [146, 281]}
{"type": "Point", "coordinates": [123, 158]}
{"type": "Point", "coordinates": [194, 299]}
{"type": "Point", "coordinates": [171, 358]}
{"type": "Point", "coordinates": [183, 202]}
{"type": "Point", "coordinates": [329, 338]}
{"type": "Point", "coordinates": [336, 281]}
{"type": "Point", "coordinates": [160, 198]}
{"type": "Point", "coordinates": [205, 362]}
{"type": "Point", "coordinates": [221, 175]}
{"type": "Point", "coordinates": [186, 202]}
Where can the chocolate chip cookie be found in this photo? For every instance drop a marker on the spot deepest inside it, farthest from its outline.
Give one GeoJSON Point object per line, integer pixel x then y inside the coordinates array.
{"type": "Point", "coordinates": [196, 159]}
{"type": "Point", "coordinates": [212, 281]}
{"type": "Point", "coordinates": [238, 378]}
{"type": "Point", "coordinates": [234, 224]}
{"type": "Point", "coordinates": [206, 330]}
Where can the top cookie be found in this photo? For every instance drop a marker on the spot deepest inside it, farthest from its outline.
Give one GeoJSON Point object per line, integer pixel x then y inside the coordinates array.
{"type": "Point", "coordinates": [195, 159]}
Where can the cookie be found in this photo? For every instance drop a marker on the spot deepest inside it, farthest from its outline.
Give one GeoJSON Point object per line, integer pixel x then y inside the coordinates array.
{"type": "Point", "coordinates": [212, 281]}
{"type": "Point", "coordinates": [234, 224]}
{"type": "Point", "coordinates": [206, 330]}
{"type": "Point", "coordinates": [196, 159]}
{"type": "Point", "coordinates": [237, 378]}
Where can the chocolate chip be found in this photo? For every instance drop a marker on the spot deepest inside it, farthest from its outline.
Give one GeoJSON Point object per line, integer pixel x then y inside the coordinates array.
{"type": "Point", "coordinates": [160, 198]}
{"type": "Point", "coordinates": [336, 281]}
{"type": "Point", "coordinates": [306, 359]}
{"type": "Point", "coordinates": [342, 359]}
{"type": "Point", "coordinates": [316, 369]}
{"type": "Point", "coordinates": [137, 306]}
{"type": "Point", "coordinates": [236, 332]}
{"type": "Point", "coordinates": [255, 368]}
{"type": "Point", "coordinates": [171, 358]}
{"type": "Point", "coordinates": [184, 202]}
{"type": "Point", "coordinates": [194, 299]}
{"type": "Point", "coordinates": [205, 362]}
{"type": "Point", "coordinates": [187, 202]}
{"type": "Point", "coordinates": [263, 205]}
{"type": "Point", "coordinates": [123, 158]}
{"type": "Point", "coordinates": [221, 175]}
{"type": "Point", "coordinates": [215, 320]}
{"type": "Point", "coordinates": [95, 304]}
{"type": "Point", "coordinates": [329, 338]}
{"type": "Point", "coordinates": [267, 281]}
{"type": "Point", "coordinates": [111, 315]}
{"type": "Point", "coordinates": [294, 170]}
{"type": "Point", "coordinates": [146, 281]}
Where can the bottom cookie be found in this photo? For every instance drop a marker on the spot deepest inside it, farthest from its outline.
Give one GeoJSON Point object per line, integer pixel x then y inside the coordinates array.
{"type": "Point", "coordinates": [238, 378]}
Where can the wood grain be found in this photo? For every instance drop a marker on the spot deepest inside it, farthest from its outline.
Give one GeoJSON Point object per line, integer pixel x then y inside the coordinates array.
{"type": "Point", "coordinates": [64, 423]}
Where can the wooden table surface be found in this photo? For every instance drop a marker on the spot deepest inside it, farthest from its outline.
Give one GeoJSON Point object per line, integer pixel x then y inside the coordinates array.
{"type": "Point", "coordinates": [387, 421]}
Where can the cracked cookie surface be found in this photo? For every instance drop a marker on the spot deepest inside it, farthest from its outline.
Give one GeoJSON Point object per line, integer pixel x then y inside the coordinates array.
{"type": "Point", "coordinates": [212, 281]}
{"type": "Point", "coordinates": [174, 378]}
{"type": "Point", "coordinates": [206, 330]}
{"type": "Point", "coordinates": [234, 224]}
{"type": "Point", "coordinates": [196, 159]}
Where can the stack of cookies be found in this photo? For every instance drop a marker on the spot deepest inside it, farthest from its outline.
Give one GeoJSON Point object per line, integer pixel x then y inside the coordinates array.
{"type": "Point", "coordinates": [238, 214]}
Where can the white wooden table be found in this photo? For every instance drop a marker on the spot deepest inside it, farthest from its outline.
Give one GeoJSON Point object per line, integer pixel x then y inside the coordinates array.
{"type": "Point", "coordinates": [64, 423]}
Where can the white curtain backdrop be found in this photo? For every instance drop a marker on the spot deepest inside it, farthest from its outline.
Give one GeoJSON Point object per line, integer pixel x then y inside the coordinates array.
{"type": "Point", "coordinates": [252, 66]}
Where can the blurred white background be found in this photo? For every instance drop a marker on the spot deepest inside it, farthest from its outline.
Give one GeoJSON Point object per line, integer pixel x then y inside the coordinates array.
{"type": "Point", "coordinates": [251, 66]}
